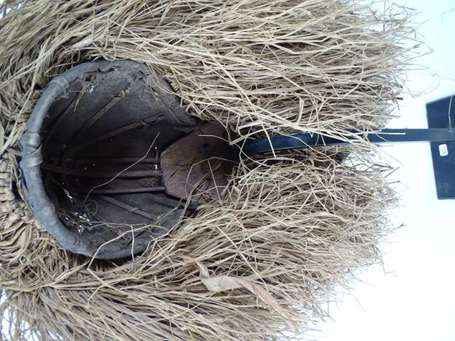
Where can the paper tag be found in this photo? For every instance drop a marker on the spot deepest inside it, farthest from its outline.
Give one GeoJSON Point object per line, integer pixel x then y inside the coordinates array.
{"type": "Point", "coordinates": [443, 150]}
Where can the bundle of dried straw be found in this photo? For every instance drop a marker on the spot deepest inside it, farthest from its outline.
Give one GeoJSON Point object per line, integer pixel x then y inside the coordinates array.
{"type": "Point", "coordinates": [262, 259]}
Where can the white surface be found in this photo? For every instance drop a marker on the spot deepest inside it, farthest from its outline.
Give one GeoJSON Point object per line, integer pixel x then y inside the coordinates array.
{"type": "Point", "coordinates": [413, 296]}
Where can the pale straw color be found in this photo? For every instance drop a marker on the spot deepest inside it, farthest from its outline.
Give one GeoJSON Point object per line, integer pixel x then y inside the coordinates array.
{"type": "Point", "coordinates": [263, 258]}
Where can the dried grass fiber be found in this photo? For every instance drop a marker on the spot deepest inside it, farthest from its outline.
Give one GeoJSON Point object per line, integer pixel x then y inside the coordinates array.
{"type": "Point", "coordinates": [262, 259]}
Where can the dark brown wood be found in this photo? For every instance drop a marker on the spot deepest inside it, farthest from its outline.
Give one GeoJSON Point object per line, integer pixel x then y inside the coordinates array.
{"type": "Point", "coordinates": [198, 164]}
{"type": "Point", "coordinates": [93, 174]}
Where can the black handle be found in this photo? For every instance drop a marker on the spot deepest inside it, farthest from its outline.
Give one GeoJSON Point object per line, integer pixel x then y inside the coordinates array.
{"type": "Point", "coordinates": [307, 140]}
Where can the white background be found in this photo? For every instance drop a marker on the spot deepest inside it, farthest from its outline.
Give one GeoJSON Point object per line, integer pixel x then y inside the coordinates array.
{"type": "Point", "coordinates": [412, 297]}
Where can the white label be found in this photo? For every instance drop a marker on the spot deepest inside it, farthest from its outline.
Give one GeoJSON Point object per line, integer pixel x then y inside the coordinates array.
{"type": "Point", "coordinates": [443, 150]}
